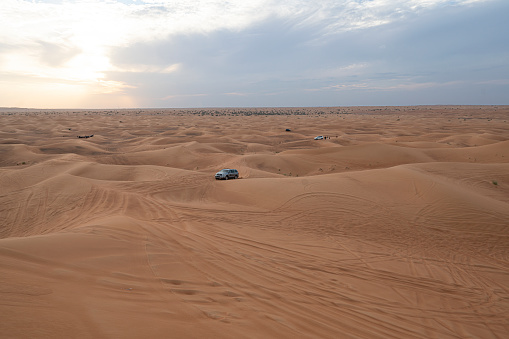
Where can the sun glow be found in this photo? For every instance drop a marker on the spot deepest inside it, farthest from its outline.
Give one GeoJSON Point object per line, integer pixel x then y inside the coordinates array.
{"type": "Point", "coordinates": [59, 47]}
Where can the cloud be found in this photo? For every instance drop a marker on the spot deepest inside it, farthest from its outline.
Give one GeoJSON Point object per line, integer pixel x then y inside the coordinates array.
{"type": "Point", "coordinates": [281, 48]}
{"type": "Point", "coordinates": [173, 52]}
{"type": "Point", "coordinates": [56, 55]}
{"type": "Point", "coordinates": [144, 68]}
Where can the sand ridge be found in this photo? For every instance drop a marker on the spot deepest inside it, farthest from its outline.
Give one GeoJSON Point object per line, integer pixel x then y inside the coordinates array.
{"type": "Point", "coordinates": [396, 226]}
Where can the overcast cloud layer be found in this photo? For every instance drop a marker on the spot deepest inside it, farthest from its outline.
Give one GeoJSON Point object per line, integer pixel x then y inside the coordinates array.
{"type": "Point", "coordinates": [178, 53]}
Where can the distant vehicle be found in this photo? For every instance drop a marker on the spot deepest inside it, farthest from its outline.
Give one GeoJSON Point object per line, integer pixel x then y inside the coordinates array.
{"type": "Point", "coordinates": [320, 137]}
{"type": "Point", "coordinates": [288, 130]}
{"type": "Point", "coordinates": [227, 173]}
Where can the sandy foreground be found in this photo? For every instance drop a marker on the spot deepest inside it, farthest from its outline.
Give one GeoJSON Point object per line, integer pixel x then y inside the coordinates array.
{"type": "Point", "coordinates": [395, 227]}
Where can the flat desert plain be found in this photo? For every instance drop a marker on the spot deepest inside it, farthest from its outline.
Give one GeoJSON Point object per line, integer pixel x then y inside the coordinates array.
{"type": "Point", "coordinates": [394, 226]}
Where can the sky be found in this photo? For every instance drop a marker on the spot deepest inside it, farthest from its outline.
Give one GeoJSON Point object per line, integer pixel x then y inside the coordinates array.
{"type": "Point", "coordinates": [256, 53]}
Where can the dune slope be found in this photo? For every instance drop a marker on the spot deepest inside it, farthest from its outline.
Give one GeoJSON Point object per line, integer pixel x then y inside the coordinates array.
{"type": "Point", "coordinates": [396, 226]}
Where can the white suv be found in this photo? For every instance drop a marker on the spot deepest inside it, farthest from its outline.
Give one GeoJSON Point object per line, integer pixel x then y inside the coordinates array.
{"type": "Point", "coordinates": [227, 174]}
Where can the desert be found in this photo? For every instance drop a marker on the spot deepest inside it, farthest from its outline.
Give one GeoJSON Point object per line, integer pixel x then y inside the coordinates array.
{"type": "Point", "coordinates": [395, 225]}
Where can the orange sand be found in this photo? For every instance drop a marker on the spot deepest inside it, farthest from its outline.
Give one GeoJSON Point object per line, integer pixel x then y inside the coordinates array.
{"type": "Point", "coordinates": [395, 227]}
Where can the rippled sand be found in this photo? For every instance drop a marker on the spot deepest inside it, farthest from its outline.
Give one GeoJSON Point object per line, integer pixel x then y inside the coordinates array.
{"type": "Point", "coordinates": [396, 226]}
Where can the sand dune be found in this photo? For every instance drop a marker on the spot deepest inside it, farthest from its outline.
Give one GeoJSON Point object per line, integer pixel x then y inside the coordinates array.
{"type": "Point", "coordinates": [396, 226]}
